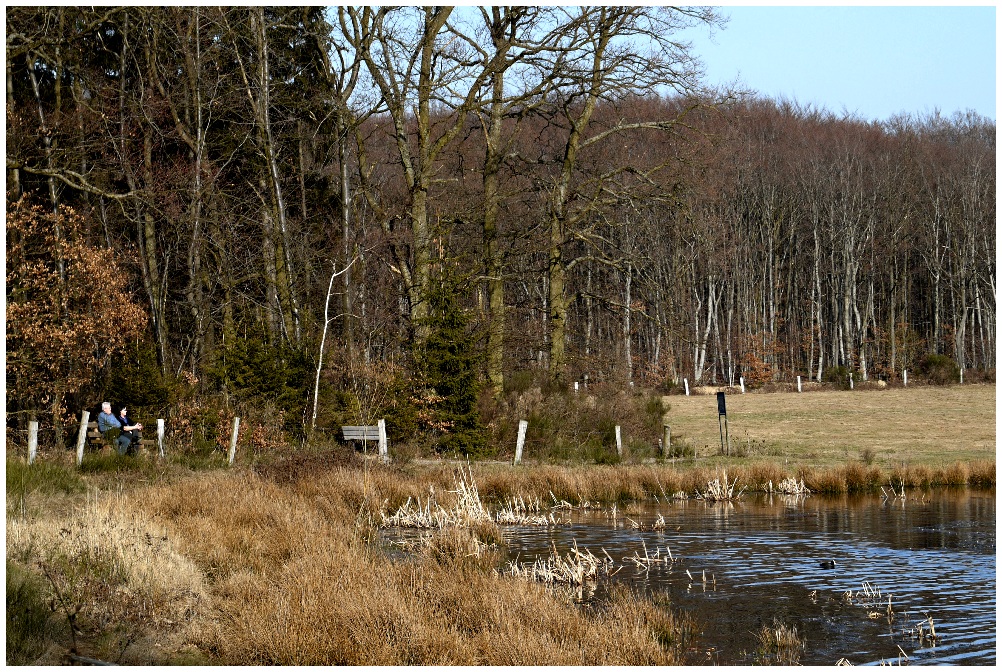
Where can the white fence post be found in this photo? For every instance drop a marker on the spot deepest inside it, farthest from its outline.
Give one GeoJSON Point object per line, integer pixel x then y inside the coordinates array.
{"type": "Point", "coordinates": [384, 443]}
{"type": "Point", "coordinates": [619, 442]}
{"type": "Point", "coordinates": [686, 381]}
{"type": "Point", "coordinates": [82, 436]}
{"type": "Point", "coordinates": [233, 439]}
{"type": "Point", "coordinates": [851, 386]}
{"type": "Point", "coordinates": [522, 426]}
{"type": "Point", "coordinates": [575, 387]}
{"type": "Point", "coordinates": [160, 435]}
{"type": "Point", "coordinates": [799, 388]}
{"type": "Point", "coordinates": [742, 379]}
{"type": "Point", "coordinates": [906, 377]}
{"type": "Point", "coordinates": [32, 441]}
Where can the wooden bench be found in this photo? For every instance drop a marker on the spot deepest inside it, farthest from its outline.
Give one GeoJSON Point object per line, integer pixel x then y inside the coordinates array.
{"type": "Point", "coordinates": [375, 432]}
{"type": "Point", "coordinates": [95, 439]}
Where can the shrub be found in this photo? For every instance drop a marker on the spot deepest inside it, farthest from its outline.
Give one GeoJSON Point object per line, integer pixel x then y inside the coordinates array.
{"type": "Point", "coordinates": [838, 376]}
{"type": "Point", "coordinates": [939, 370]}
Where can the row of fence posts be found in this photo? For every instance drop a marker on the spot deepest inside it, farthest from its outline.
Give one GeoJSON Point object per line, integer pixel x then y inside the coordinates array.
{"type": "Point", "coordinates": [523, 425]}
{"type": "Point", "coordinates": [800, 387]}
{"type": "Point", "coordinates": [82, 438]}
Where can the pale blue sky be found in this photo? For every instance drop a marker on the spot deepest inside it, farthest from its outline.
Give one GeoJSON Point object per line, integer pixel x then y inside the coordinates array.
{"type": "Point", "coordinates": [873, 62]}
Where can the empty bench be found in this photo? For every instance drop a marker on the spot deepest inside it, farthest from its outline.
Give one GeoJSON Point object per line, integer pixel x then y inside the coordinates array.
{"type": "Point", "coordinates": [364, 433]}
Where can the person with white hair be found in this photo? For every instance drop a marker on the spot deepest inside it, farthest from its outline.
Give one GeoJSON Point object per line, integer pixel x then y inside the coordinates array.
{"type": "Point", "coordinates": [106, 421]}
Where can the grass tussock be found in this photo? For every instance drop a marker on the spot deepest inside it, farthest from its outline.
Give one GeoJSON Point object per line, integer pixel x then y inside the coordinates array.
{"type": "Point", "coordinates": [28, 624]}
{"type": "Point", "coordinates": [110, 573]}
{"type": "Point", "coordinates": [41, 478]}
{"type": "Point", "coordinates": [850, 478]}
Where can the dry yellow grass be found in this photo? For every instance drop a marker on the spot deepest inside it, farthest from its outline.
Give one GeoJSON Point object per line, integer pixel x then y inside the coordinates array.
{"type": "Point", "coordinates": [932, 426]}
{"type": "Point", "coordinates": [254, 570]}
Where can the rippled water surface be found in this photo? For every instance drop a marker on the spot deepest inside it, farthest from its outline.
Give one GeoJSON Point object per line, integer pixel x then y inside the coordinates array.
{"type": "Point", "coordinates": [932, 554]}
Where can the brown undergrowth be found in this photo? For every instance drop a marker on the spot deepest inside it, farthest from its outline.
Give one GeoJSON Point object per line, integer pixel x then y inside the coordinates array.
{"type": "Point", "coordinates": [295, 583]}
{"type": "Point", "coordinates": [240, 568]}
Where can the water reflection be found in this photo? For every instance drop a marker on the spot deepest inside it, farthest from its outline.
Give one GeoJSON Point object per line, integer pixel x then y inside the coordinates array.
{"type": "Point", "coordinates": [763, 558]}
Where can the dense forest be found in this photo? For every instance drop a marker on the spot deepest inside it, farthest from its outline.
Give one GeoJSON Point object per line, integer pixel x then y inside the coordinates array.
{"type": "Point", "coordinates": [315, 216]}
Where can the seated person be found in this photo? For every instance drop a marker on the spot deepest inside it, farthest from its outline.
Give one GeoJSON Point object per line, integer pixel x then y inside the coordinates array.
{"type": "Point", "coordinates": [130, 429]}
{"type": "Point", "coordinates": [106, 422]}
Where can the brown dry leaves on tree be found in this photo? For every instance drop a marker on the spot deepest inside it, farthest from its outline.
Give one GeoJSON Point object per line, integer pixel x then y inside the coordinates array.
{"type": "Point", "coordinates": [60, 330]}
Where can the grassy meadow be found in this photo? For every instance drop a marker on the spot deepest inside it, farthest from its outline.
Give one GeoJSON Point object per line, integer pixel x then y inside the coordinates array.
{"type": "Point", "coordinates": [278, 559]}
{"type": "Point", "coordinates": [929, 426]}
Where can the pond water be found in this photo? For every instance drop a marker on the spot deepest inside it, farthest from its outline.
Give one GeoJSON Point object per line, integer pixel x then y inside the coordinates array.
{"type": "Point", "coordinates": [932, 555]}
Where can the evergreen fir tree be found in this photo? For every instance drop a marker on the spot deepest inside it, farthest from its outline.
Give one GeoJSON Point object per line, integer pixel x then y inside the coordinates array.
{"type": "Point", "coordinates": [450, 363]}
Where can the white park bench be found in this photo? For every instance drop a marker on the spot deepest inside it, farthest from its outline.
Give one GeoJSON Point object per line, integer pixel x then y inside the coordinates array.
{"type": "Point", "coordinates": [366, 433]}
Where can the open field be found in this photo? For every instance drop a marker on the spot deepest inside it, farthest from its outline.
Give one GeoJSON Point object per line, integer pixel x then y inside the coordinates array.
{"type": "Point", "coordinates": [930, 426]}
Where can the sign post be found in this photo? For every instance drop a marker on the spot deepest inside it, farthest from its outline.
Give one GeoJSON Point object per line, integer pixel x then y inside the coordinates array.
{"type": "Point", "coordinates": [725, 448]}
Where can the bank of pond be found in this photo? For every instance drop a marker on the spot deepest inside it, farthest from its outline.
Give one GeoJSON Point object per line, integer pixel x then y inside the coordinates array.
{"type": "Point", "coordinates": [895, 577]}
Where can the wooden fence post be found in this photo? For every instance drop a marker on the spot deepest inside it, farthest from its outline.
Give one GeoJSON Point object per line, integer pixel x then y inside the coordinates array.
{"type": "Point", "coordinates": [233, 439]}
{"type": "Point", "coordinates": [384, 447]}
{"type": "Point", "coordinates": [522, 426]}
{"type": "Point", "coordinates": [32, 441]}
{"type": "Point", "coordinates": [82, 436]}
{"type": "Point", "coordinates": [160, 435]}
{"type": "Point", "coordinates": [619, 442]}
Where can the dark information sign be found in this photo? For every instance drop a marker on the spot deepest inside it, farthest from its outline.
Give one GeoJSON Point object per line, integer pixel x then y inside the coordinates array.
{"type": "Point", "coordinates": [721, 404]}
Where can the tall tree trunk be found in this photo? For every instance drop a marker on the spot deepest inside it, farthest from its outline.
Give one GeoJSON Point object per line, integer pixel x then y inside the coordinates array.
{"type": "Point", "coordinates": [627, 326]}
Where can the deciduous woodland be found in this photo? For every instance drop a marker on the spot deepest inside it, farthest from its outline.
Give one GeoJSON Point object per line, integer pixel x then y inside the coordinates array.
{"type": "Point", "coordinates": [342, 214]}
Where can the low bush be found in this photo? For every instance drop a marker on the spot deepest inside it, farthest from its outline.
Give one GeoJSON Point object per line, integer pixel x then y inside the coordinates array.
{"type": "Point", "coordinates": [837, 376]}
{"type": "Point", "coordinates": [939, 370]}
{"type": "Point", "coordinates": [565, 425]}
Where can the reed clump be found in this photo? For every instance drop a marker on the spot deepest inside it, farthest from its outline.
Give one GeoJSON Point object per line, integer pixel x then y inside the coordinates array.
{"type": "Point", "coordinates": [779, 644]}
{"type": "Point", "coordinates": [981, 474]}
{"type": "Point", "coordinates": [853, 477]}
{"type": "Point", "coordinates": [719, 491]}
{"type": "Point", "coordinates": [577, 568]}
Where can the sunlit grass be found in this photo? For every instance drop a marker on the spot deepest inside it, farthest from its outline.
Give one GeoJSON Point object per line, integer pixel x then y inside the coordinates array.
{"type": "Point", "coordinates": [933, 426]}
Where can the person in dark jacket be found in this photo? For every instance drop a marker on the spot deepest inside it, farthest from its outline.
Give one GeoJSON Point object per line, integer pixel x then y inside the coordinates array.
{"type": "Point", "coordinates": [131, 430]}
